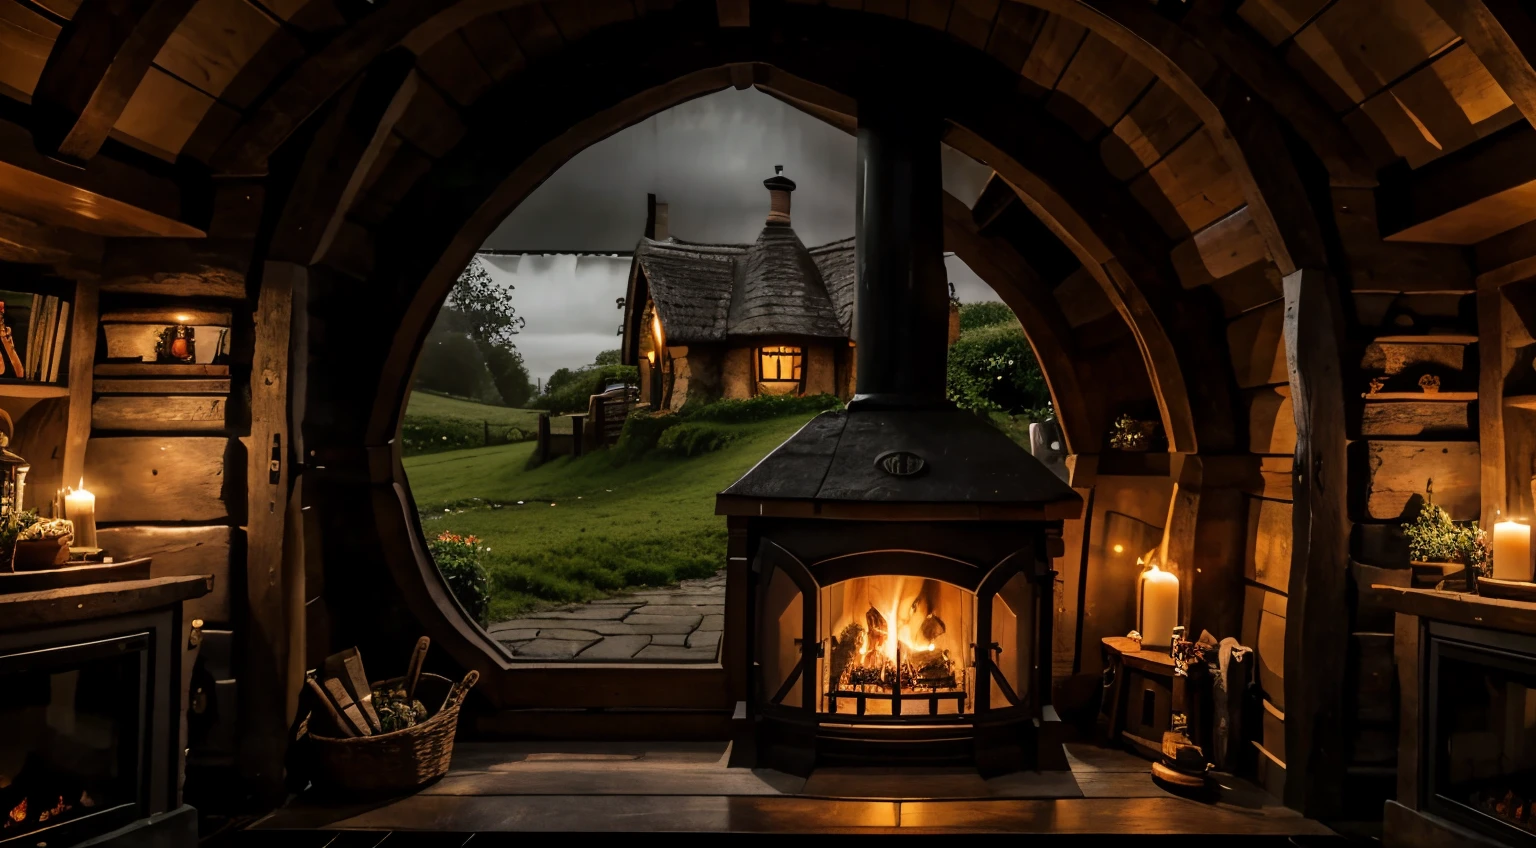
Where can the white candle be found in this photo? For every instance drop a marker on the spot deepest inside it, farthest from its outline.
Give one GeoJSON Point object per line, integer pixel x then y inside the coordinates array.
{"type": "Point", "coordinates": [1512, 551]}
{"type": "Point", "coordinates": [1159, 607]}
{"type": "Point", "coordinates": [80, 508]}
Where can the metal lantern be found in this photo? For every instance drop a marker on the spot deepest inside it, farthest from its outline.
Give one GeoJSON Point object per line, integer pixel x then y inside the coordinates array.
{"type": "Point", "coordinates": [13, 477]}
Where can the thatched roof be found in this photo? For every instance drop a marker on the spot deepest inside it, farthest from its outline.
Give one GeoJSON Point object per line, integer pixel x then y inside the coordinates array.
{"type": "Point", "coordinates": [712, 292]}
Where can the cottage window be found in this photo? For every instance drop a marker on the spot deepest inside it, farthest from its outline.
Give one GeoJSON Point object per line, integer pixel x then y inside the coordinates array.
{"type": "Point", "coordinates": [780, 364]}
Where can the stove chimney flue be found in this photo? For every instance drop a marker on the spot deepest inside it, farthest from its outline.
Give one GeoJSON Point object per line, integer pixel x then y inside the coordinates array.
{"type": "Point", "coordinates": [901, 318]}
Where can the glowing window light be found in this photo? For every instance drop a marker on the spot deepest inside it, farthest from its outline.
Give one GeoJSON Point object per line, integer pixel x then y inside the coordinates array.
{"type": "Point", "coordinates": [780, 364]}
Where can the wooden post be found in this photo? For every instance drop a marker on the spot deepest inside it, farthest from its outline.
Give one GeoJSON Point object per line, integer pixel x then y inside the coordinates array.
{"type": "Point", "coordinates": [541, 447]}
{"type": "Point", "coordinates": [264, 683]}
{"type": "Point", "coordinates": [82, 362]}
{"type": "Point", "coordinates": [1317, 618]}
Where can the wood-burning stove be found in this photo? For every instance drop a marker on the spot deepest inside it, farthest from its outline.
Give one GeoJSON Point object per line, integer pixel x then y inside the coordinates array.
{"type": "Point", "coordinates": [900, 551]}
{"type": "Point", "coordinates": [1480, 731]}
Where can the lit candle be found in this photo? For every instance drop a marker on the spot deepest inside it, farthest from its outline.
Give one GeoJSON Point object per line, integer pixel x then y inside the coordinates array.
{"type": "Point", "coordinates": [1159, 607]}
{"type": "Point", "coordinates": [80, 508]}
{"type": "Point", "coordinates": [1512, 551]}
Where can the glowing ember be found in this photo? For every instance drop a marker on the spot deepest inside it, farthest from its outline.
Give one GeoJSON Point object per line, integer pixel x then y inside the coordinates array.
{"type": "Point", "coordinates": [18, 813]}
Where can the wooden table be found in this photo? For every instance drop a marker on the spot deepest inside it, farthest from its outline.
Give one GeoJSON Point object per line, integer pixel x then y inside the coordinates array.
{"type": "Point", "coordinates": [1138, 703]}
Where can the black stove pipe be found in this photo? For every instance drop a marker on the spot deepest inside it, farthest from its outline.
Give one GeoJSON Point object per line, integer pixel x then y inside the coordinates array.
{"type": "Point", "coordinates": [901, 318]}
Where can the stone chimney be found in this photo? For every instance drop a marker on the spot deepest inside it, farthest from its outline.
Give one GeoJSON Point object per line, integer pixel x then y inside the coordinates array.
{"type": "Point", "coordinates": [779, 187]}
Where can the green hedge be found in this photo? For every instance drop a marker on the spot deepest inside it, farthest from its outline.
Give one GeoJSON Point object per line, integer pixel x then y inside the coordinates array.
{"type": "Point", "coordinates": [993, 369]}
{"type": "Point", "coordinates": [702, 428]}
{"type": "Point", "coordinates": [433, 435]}
{"type": "Point", "coordinates": [974, 316]}
{"type": "Point", "coordinates": [692, 438]}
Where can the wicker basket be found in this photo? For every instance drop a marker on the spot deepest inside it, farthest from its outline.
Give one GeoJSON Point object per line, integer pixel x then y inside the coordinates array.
{"type": "Point", "coordinates": [400, 760]}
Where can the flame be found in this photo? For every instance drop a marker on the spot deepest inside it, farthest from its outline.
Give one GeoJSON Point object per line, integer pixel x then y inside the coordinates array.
{"type": "Point", "coordinates": [19, 812]}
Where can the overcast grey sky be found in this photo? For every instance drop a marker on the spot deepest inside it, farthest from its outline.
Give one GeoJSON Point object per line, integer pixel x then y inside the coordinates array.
{"type": "Point", "coordinates": [707, 160]}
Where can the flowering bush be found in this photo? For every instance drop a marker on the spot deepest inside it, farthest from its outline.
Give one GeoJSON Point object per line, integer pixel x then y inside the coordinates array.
{"type": "Point", "coordinates": [458, 558]}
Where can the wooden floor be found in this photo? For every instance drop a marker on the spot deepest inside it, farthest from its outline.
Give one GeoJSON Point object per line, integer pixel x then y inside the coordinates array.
{"type": "Point", "coordinates": [682, 787]}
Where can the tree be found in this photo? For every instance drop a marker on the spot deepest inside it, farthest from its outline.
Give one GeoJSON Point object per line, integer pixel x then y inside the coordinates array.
{"type": "Point", "coordinates": [490, 320]}
{"type": "Point", "coordinates": [561, 378]}
{"type": "Point", "coordinates": [607, 357]}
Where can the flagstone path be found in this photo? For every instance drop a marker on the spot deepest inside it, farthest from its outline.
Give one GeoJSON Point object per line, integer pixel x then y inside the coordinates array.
{"type": "Point", "coordinates": [682, 623]}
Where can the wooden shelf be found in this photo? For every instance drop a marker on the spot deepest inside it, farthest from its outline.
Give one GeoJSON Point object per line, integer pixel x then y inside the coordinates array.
{"type": "Point", "coordinates": [159, 369]}
{"type": "Point", "coordinates": [33, 390]}
{"type": "Point", "coordinates": [1520, 402]}
{"type": "Point", "coordinates": [1444, 339]}
{"type": "Point", "coordinates": [194, 316]}
{"type": "Point", "coordinates": [1442, 397]}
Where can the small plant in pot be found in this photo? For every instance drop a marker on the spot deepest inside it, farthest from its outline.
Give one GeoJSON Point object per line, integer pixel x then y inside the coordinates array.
{"type": "Point", "coordinates": [1434, 538]}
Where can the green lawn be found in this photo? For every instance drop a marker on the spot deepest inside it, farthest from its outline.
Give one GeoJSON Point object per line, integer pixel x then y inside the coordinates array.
{"type": "Point", "coordinates": [435, 423]}
{"type": "Point", "coordinates": [586, 527]}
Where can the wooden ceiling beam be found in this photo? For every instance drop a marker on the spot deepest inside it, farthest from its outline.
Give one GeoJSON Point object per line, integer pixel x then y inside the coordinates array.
{"type": "Point", "coordinates": [1502, 34]}
{"type": "Point", "coordinates": [107, 197]}
{"type": "Point", "coordinates": [96, 65]}
{"type": "Point", "coordinates": [1465, 197]}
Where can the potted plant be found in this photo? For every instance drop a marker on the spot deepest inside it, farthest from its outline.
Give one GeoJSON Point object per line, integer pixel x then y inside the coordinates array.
{"type": "Point", "coordinates": [43, 543]}
{"type": "Point", "coordinates": [1434, 538]}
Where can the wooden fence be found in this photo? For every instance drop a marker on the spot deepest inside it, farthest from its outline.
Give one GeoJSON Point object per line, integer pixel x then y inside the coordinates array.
{"type": "Point", "coordinates": [600, 426]}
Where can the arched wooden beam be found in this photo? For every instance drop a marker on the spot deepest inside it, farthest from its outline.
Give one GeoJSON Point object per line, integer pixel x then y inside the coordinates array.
{"type": "Point", "coordinates": [1231, 41]}
{"type": "Point", "coordinates": [1502, 34]}
{"type": "Point", "coordinates": [1016, 282]}
{"type": "Point", "coordinates": [98, 62]}
{"type": "Point", "coordinates": [1177, 59]}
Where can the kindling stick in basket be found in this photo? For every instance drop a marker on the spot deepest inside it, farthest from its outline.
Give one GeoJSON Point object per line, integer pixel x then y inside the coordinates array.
{"type": "Point", "coordinates": [413, 668]}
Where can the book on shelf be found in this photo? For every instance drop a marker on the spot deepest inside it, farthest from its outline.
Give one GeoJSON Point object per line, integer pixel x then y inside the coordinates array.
{"type": "Point", "coordinates": [39, 328]}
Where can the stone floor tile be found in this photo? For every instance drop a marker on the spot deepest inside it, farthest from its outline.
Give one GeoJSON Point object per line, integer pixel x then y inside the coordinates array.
{"type": "Point", "coordinates": [712, 622]}
{"type": "Point", "coordinates": [552, 649]}
{"type": "Point", "coordinates": [678, 609]}
{"type": "Point", "coordinates": [589, 613]}
{"type": "Point", "coordinates": [520, 635]}
{"type": "Point", "coordinates": [674, 640]}
{"type": "Point", "coordinates": [562, 633]}
{"type": "Point", "coordinates": [615, 648]}
{"type": "Point", "coordinates": [691, 621]}
{"type": "Point", "coordinates": [704, 639]}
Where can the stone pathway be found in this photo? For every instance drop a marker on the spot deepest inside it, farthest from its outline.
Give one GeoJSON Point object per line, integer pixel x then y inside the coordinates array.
{"type": "Point", "coordinates": [678, 624]}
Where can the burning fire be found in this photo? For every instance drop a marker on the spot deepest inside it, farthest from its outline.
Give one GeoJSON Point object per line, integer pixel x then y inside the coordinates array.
{"type": "Point", "coordinates": [899, 638]}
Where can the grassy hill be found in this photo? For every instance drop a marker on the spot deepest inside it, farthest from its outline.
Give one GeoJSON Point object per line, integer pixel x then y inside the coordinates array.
{"type": "Point", "coordinates": [570, 530]}
{"type": "Point", "coordinates": [435, 423]}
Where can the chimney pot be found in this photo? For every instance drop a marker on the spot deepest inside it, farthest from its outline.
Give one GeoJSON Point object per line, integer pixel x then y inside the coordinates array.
{"type": "Point", "coordinates": [779, 187]}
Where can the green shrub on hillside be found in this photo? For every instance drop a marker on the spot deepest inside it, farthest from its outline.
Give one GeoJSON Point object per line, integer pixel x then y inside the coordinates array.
{"type": "Point", "coordinates": [458, 558]}
{"type": "Point", "coordinates": [692, 438]}
{"type": "Point", "coordinates": [760, 408]}
{"type": "Point", "coordinates": [697, 424]}
{"type": "Point", "coordinates": [993, 369]}
{"type": "Point", "coordinates": [974, 316]}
